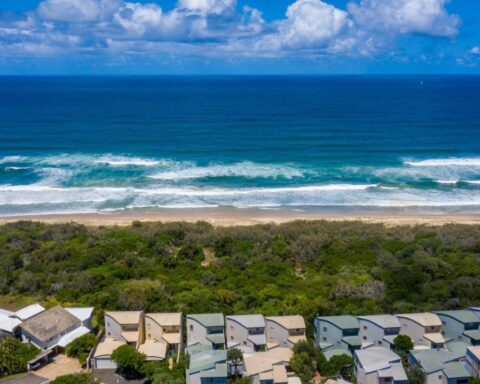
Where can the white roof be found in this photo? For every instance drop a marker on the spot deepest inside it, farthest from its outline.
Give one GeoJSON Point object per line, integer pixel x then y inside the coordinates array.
{"type": "Point", "coordinates": [153, 349]}
{"type": "Point", "coordinates": [249, 321]}
{"type": "Point", "coordinates": [288, 322]}
{"type": "Point", "coordinates": [69, 337]}
{"type": "Point", "coordinates": [81, 314]}
{"type": "Point", "coordinates": [107, 346]}
{"type": "Point", "coordinates": [383, 321]}
{"type": "Point", "coordinates": [376, 358]}
{"type": "Point", "coordinates": [425, 319]}
{"type": "Point", "coordinates": [29, 311]}
{"type": "Point", "coordinates": [5, 312]}
{"type": "Point", "coordinates": [475, 351]}
{"type": "Point", "coordinates": [125, 317]}
{"type": "Point", "coordinates": [258, 362]}
{"type": "Point", "coordinates": [8, 324]}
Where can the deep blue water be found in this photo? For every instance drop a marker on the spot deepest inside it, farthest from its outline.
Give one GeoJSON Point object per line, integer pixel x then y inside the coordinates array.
{"type": "Point", "coordinates": [86, 144]}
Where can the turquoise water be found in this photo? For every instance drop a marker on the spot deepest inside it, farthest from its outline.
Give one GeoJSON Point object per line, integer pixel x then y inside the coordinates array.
{"type": "Point", "coordinates": [101, 144]}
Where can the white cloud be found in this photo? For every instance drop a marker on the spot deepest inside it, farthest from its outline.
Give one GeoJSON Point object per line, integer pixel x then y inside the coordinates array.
{"type": "Point", "coordinates": [207, 6]}
{"type": "Point", "coordinates": [405, 16]}
{"type": "Point", "coordinates": [475, 50]}
{"type": "Point", "coordinates": [70, 10]}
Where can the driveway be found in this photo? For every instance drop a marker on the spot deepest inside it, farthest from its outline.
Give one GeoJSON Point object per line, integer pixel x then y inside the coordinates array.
{"type": "Point", "coordinates": [29, 378]}
{"type": "Point", "coordinates": [61, 365]}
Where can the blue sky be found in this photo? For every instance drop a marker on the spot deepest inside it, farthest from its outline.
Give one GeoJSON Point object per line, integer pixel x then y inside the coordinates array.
{"type": "Point", "coordinates": [239, 36]}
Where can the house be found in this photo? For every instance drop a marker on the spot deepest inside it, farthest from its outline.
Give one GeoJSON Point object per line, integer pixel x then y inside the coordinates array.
{"type": "Point", "coordinates": [378, 330]}
{"type": "Point", "coordinates": [475, 310]}
{"type": "Point", "coordinates": [472, 360]}
{"type": "Point", "coordinates": [337, 335]}
{"type": "Point", "coordinates": [206, 329]}
{"type": "Point", "coordinates": [28, 312]}
{"type": "Point", "coordinates": [207, 365]}
{"type": "Point", "coordinates": [268, 367]}
{"type": "Point", "coordinates": [8, 323]}
{"type": "Point", "coordinates": [246, 332]}
{"type": "Point", "coordinates": [102, 358]}
{"type": "Point", "coordinates": [163, 335]}
{"type": "Point", "coordinates": [440, 366]}
{"type": "Point", "coordinates": [423, 328]}
{"type": "Point", "coordinates": [53, 328]}
{"type": "Point", "coordinates": [460, 325]}
{"type": "Point", "coordinates": [377, 365]}
{"type": "Point", "coordinates": [124, 325]}
{"type": "Point", "coordinates": [284, 331]}
{"type": "Point", "coordinates": [84, 314]}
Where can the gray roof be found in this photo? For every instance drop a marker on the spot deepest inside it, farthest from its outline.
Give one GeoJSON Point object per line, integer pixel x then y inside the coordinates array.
{"type": "Point", "coordinates": [209, 319]}
{"type": "Point", "coordinates": [207, 361]}
{"type": "Point", "coordinates": [457, 348]}
{"type": "Point", "coordinates": [50, 323]}
{"type": "Point", "coordinates": [342, 322]}
{"type": "Point", "coordinates": [249, 321]}
{"type": "Point", "coordinates": [464, 316]}
{"type": "Point", "coordinates": [456, 370]}
{"type": "Point", "coordinates": [377, 358]}
{"type": "Point", "coordinates": [433, 360]}
{"type": "Point", "coordinates": [383, 321]}
{"type": "Point", "coordinates": [473, 334]}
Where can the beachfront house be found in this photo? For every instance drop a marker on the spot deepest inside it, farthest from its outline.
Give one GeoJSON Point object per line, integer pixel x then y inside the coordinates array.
{"type": "Point", "coordinates": [246, 332]}
{"type": "Point", "coordinates": [163, 335]}
{"type": "Point", "coordinates": [440, 366]}
{"type": "Point", "coordinates": [102, 357]}
{"type": "Point", "coordinates": [337, 335]}
{"type": "Point", "coordinates": [472, 360]}
{"type": "Point", "coordinates": [379, 365]}
{"type": "Point", "coordinates": [460, 325]}
{"type": "Point", "coordinates": [475, 310]}
{"type": "Point", "coordinates": [206, 365]}
{"type": "Point", "coordinates": [8, 323]}
{"type": "Point", "coordinates": [269, 367]}
{"type": "Point", "coordinates": [423, 328]}
{"type": "Point", "coordinates": [284, 331]}
{"type": "Point", "coordinates": [378, 330]}
{"type": "Point", "coordinates": [206, 329]}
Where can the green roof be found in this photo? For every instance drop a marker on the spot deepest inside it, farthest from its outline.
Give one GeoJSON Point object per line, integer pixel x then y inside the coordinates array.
{"type": "Point", "coordinates": [457, 348]}
{"type": "Point", "coordinates": [474, 334]}
{"type": "Point", "coordinates": [354, 341]}
{"type": "Point", "coordinates": [461, 315]}
{"type": "Point", "coordinates": [207, 361]}
{"type": "Point", "coordinates": [456, 370]}
{"type": "Point", "coordinates": [342, 322]}
{"type": "Point", "coordinates": [209, 319]}
{"type": "Point", "coordinates": [433, 360]}
{"type": "Point", "coordinates": [216, 338]}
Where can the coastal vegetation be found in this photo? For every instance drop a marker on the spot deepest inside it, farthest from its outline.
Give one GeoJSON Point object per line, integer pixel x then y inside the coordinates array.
{"type": "Point", "coordinates": [296, 268]}
{"type": "Point", "coordinates": [14, 356]}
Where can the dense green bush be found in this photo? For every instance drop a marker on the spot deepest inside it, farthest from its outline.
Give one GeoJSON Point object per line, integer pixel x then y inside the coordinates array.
{"type": "Point", "coordinates": [76, 378]}
{"type": "Point", "coordinates": [81, 347]}
{"type": "Point", "coordinates": [299, 267]}
{"type": "Point", "coordinates": [14, 356]}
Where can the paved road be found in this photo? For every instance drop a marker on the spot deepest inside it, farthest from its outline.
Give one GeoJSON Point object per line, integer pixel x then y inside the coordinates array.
{"type": "Point", "coordinates": [27, 379]}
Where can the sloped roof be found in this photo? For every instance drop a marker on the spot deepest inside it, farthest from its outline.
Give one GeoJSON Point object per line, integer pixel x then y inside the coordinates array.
{"type": "Point", "coordinates": [206, 360]}
{"type": "Point", "coordinates": [249, 321]}
{"type": "Point", "coordinates": [258, 362]}
{"type": "Point", "coordinates": [474, 334]}
{"type": "Point", "coordinates": [166, 319]}
{"type": "Point", "coordinates": [81, 313]}
{"type": "Point", "coordinates": [464, 316]}
{"type": "Point", "coordinates": [433, 360]}
{"type": "Point", "coordinates": [125, 317]}
{"type": "Point", "coordinates": [153, 349]}
{"type": "Point", "coordinates": [426, 319]}
{"type": "Point", "coordinates": [475, 351]}
{"type": "Point", "coordinates": [436, 337]}
{"type": "Point", "coordinates": [456, 370]}
{"type": "Point", "coordinates": [75, 334]}
{"type": "Point", "coordinates": [209, 319]}
{"type": "Point", "coordinates": [342, 322]}
{"type": "Point", "coordinates": [376, 358]}
{"type": "Point", "coordinates": [50, 323]}
{"type": "Point", "coordinates": [107, 346]}
{"type": "Point", "coordinates": [171, 337]}
{"type": "Point", "coordinates": [288, 322]}
{"type": "Point", "coordinates": [383, 321]}
{"type": "Point", "coordinates": [8, 324]}
{"type": "Point", "coordinates": [29, 311]}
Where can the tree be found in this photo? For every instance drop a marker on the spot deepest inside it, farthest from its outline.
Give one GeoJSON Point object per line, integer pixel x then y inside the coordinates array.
{"type": "Point", "coordinates": [403, 344]}
{"type": "Point", "coordinates": [305, 346]}
{"type": "Point", "coordinates": [241, 380]}
{"type": "Point", "coordinates": [14, 356]}
{"type": "Point", "coordinates": [235, 356]}
{"type": "Point", "coordinates": [475, 380]}
{"type": "Point", "coordinates": [301, 364]}
{"type": "Point", "coordinates": [129, 361]}
{"type": "Point", "coordinates": [81, 347]}
{"type": "Point", "coordinates": [76, 378]}
{"type": "Point", "coordinates": [340, 365]}
{"type": "Point", "coordinates": [416, 375]}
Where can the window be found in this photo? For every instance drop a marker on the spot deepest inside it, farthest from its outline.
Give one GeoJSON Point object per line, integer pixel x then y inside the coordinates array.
{"type": "Point", "coordinates": [364, 337]}
{"type": "Point", "coordinates": [380, 342]}
{"type": "Point", "coordinates": [324, 338]}
{"type": "Point", "coordinates": [191, 327]}
{"type": "Point", "coordinates": [365, 327]}
{"type": "Point", "coordinates": [324, 329]}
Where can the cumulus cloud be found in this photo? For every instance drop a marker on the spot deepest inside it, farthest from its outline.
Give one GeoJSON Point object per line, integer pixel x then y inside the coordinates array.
{"type": "Point", "coordinates": [405, 16]}
{"type": "Point", "coordinates": [221, 27]}
{"type": "Point", "coordinates": [475, 50]}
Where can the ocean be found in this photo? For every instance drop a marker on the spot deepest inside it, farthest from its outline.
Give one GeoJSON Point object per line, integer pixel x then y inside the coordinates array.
{"type": "Point", "coordinates": [307, 143]}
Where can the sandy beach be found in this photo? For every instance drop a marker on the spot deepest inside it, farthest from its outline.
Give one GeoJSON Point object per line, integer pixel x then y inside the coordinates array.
{"type": "Point", "coordinates": [250, 216]}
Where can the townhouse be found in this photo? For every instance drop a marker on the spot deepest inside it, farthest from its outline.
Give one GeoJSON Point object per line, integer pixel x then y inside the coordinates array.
{"type": "Point", "coordinates": [425, 329]}
{"type": "Point", "coordinates": [163, 335]}
{"type": "Point", "coordinates": [378, 330]}
{"type": "Point", "coordinates": [269, 367]}
{"type": "Point", "coordinates": [246, 332]}
{"type": "Point", "coordinates": [206, 329]}
{"type": "Point", "coordinates": [472, 361]}
{"type": "Point", "coordinates": [284, 331]}
{"type": "Point", "coordinates": [379, 365]}
{"type": "Point", "coordinates": [460, 325]}
{"type": "Point", "coordinates": [206, 365]}
{"type": "Point", "coordinates": [337, 335]}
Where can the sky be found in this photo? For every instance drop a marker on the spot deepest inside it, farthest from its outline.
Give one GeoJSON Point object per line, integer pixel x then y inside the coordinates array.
{"type": "Point", "coordinates": [62, 37]}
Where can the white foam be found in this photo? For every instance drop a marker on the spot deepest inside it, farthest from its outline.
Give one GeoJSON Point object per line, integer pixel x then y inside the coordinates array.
{"type": "Point", "coordinates": [244, 169]}
{"type": "Point", "coordinates": [122, 161]}
{"type": "Point", "coordinates": [12, 159]}
{"type": "Point", "coordinates": [447, 181]}
{"type": "Point", "coordinates": [459, 161]}
{"type": "Point", "coordinates": [16, 168]}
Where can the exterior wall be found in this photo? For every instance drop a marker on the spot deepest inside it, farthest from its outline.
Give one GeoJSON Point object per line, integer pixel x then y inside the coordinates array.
{"type": "Point", "coordinates": [436, 378]}
{"type": "Point", "coordinates": [104, 363]}
{"type": "Point", "coordinates": [414, 330]}
{"type": "Point", "coordinates": [153, 330]}
{"type": "Point", "coordinates": [275, 333]}
{"type": "Point", "coordinates": [472, 364]}
{"type": "Point", "coordinates": [196, 333]}
{"type": "Point", "coordinates": [371, 333]}
{"type": "Point", "coordinates": [452, 328]}
{"type": "Point", "coordinates": [326, 332]}
{"type": "Point", "coordinates": [237, 333]}
{"type": "Point", "coordinates": [112, 328]}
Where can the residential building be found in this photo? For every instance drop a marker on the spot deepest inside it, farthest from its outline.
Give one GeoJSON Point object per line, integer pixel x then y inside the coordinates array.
{"type": "Point", "coordinates": [246, 332]}
{"type": "Point", "coordinates": [440, 366]}
{"type": "Point", "coordinates": [207, 365]}
{"type": "Point", "coordinates": [54, 328]}
{"type": "Point", "coordinates": [124, 325]}
{"type": "Point", "coordinates": [206, 329]}
{"type": "Point", "coordinates": [379, 365]}
{"type": "Point", "coordinates": [163, 335]}
{"type": "Point", "coordinates": [472, 360]}
{"type": "Point", "coordinates": [84, 314]}
{"type": "Point", "coordinates": [423, 328]}
{"type": "Point", "coordinates": [268, 367]}
{"type": "Point", "coordinates": [102, 358]}
{"type": "Point", "coordinates": [460, 325]}
{"type": "Point", "coordinates": [10, 321]}
{"type": "Point", "coordinates": [337, 335]}
{"type": "Point", "coordinates": [29, 311]}
{"type": "Point", "coordinates": [475, 310]}
{"type": "Point", "coordinates": [284, 331]}
{"type": "Point", "coordinates": [378, 330]}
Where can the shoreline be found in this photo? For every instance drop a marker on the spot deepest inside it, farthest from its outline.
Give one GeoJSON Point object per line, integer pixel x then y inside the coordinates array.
{"type": "Point", "coordinates": [249, 216]}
